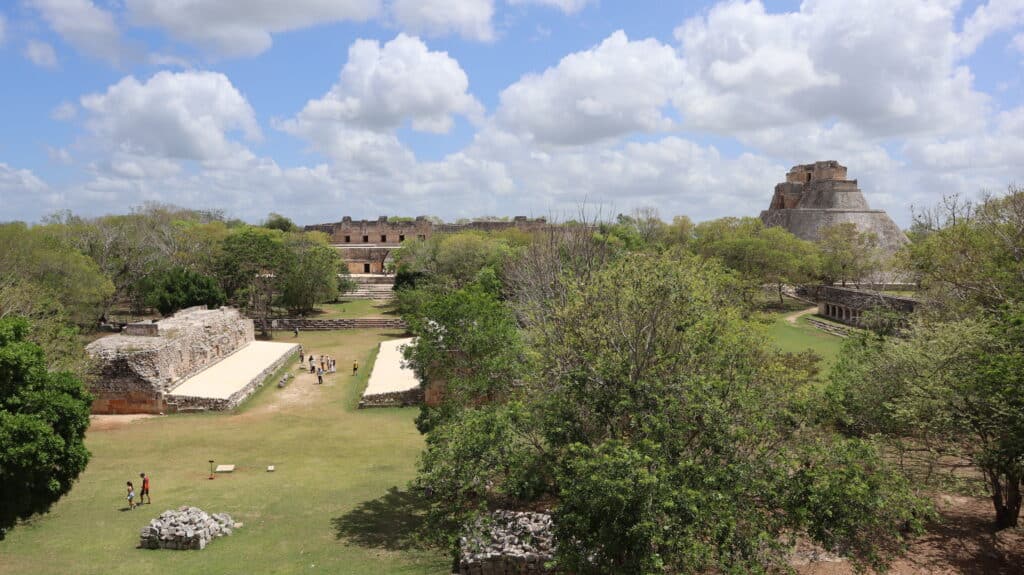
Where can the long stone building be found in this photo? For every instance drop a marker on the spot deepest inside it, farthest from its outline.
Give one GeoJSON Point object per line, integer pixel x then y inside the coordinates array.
{"type": "Point", "coordinates": [818, 195]}
{"type": "Point", "coordinates": [144, 368]}
{"type": "Point", "coordinates": [367, 245]}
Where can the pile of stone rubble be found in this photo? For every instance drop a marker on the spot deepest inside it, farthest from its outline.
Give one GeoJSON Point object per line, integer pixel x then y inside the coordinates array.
{"type": "Point", "coordinates": [508, 542]}
{"type": "Point", "coordinates": [186, 528]}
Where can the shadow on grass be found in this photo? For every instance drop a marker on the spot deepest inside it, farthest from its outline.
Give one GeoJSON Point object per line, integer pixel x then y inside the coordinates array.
{"type": "Point", "coordinates": [390, 522]}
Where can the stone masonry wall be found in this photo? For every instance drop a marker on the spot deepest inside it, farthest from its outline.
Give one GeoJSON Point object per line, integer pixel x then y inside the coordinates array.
{"type": "Point", "coordinates": [136, 371]}
{"type": "Point", "coordinates": [182, 403]}
{"type": "Point", "coordinates": [313, 324]}
{"type": "Point", "coordinates": [508, 543]}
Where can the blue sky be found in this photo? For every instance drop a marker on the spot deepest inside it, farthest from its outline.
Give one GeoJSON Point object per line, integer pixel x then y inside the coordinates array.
{"type": "Point", "coordinates": [322, 108]}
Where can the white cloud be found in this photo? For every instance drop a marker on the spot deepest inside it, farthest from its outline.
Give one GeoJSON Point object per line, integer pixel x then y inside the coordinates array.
{"type": "Point", "coordinates": [613, 89]}
{"type": "Point", "coordinates": [987, 19]}
{"type": "Point", "coordinates": [379, 89]}
{"type": "Point", "coordinates": [470, 19]}
{"type": "Point", "coordinates": [567, 6]}
{"type": "Point", "coordinates": [995, 148]}
{"type": "Point", "coordinates": [244, 28]}
{"type": "Point", "coordinates": [1018, 42]}
{"type": "Point", "coordinates": [185, 115]}
{"type": "Point", "coordinates": [888, 68]}
{"type": "Point", "coordinates": [59, 155]}
{"type": "Point", "coordinates": [64, 111]}
{"type": "Point", "coordinates": [22, 192]}
{"type": "Point", "coordinates": [41, 54]}
{"type": "Point", "coordinates": [83, 25]}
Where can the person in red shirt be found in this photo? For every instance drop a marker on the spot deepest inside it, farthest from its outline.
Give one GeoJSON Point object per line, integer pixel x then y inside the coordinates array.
{"type": "Point", "coordinates": [145, 490]}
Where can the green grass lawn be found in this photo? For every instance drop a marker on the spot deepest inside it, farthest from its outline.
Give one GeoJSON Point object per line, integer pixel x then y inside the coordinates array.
{"type": "Point", "coordinates": [354, 309]}
{"type": "Point", "coordinates": [336, 503]}
{"type": "Point", "coordinates": [801, 336]}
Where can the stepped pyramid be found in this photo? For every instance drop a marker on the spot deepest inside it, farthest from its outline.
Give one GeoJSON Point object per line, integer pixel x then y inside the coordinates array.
{"type": "Point", "coordinates": [818, 195]}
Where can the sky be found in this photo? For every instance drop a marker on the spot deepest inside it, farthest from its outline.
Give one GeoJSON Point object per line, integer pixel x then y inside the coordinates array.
{"type": "Point", "coordinates": [318, 109]}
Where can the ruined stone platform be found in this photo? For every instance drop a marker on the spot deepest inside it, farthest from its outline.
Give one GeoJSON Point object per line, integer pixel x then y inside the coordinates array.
{"type": "Point", "coordinates": [231, 380]}
{"type": "Point", "coordinates": [392, 384]}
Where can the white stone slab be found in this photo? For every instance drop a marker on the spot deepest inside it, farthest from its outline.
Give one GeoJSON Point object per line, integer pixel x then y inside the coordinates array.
{"type": "Point", "coordinates": [232, 373]}
{"type": "Point", "coordinates": [270, 468]}
{"type": "Point", "coordinates": [226, 468]}
{"type": "Point", "coordinates": [389, 374]}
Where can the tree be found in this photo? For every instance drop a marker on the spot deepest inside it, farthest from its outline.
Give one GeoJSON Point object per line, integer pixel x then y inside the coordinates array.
{"type": "Point", "coordinates": [666, 431]}
{"type": "Point", "coordinates": [946, 388]}
{"type": "Point", "coordinates": [250, 262]}
{"type": "Point", "coordinates": [42, 262]}
{"type": "Point", "coordinates": [43, 418]}
{"type": "Point", "coordinates": [468, 344]}
{"type": "Point", "coordinates": [276, 221]}
{"type": "Point", "coordinates": [177, 288]}
{"type": "Point", "coordinates": [848, 255]}
{"type": "Point", "coordinates": [761, 255]}
{"type": "Point", "coordinates": [310, 275]}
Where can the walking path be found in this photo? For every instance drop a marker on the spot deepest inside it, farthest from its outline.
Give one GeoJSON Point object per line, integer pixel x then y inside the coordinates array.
{"type": "Point", "coordinates": [791, 318]}
{"type": "Point", "coordinates": [389, 372]}
{"type": "Point", "coordinates": [234, 372]}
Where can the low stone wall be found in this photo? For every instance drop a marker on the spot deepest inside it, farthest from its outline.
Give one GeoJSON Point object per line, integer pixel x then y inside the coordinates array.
{"type": "Point", "coordinates": [186, 528]}
{"type": "Point", "coordinates": [508, 543]}
{"type": "Point", "coordinates": [187, 403]}
{"type": "Point", "coordinates": [841, 331]}
{"type": "Point", "coordinates": [313, 324]}
{"type": "Point", "coordinates": [393, 399]}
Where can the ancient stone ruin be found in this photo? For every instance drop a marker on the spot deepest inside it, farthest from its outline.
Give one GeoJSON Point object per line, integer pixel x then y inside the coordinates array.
{"type": "Point", "coordinates": [139, 366]}
{"type": "Point", "coordinates": [818, 195]}
{"type": "Point", "coordinates": [367, 245]}
{"type": "Point", "coordinates": [186, 528]}
{"type": "Point", "coordinates": [508, 542]}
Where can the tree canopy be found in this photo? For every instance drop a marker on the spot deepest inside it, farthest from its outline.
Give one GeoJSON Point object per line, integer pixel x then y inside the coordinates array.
{"type": "Point", "coordinates": [43, 418]}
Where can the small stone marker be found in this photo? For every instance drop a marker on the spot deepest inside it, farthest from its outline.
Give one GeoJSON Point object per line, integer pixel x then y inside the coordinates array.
{"type": "Point", "coordinates": [225, 468]}
{"type": "Point", "coordinates": [270, 468]}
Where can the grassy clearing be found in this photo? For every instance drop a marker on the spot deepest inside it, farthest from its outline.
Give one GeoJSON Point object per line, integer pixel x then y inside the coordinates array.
{"type": "Point", "coordinates": [353, 309]}
{"type": "Point", "coordinates": [336, 503]}
{"type": "Point", "coordinates": [800, 336]}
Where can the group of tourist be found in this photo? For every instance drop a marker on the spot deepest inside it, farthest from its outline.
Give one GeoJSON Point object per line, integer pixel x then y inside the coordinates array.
{"type": "Point", "coordinates": [326, 364]}
{"type": "Point", "coordinates": [143, 496]}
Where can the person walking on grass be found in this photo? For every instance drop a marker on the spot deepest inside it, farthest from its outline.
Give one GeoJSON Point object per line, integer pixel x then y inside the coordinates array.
{"type": "Point", "coordinates": [296, 330]}
{"type": "Point", "coordinates": [355, 366]}
{"type": "Point", "coordinates": [312, 364]}
{"type": "Point", "coordinates": [131, 496]}
{"type": "Point", "coordinates": [144, 494]}
{"type": "Point", "coordinates": [320, 376]}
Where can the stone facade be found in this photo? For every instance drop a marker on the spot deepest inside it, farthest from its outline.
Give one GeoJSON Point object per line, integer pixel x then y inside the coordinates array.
{"type": "Point", "coordinates": [846, 305]}
{"type": "Point", "coordinates": [818, 195]}
{"type": "Point", "coordinates": [314, 324]}
{"type": "Point", "coordinates": [393, 399]}
{"type": "Point", "coordinates": [137, 371]}
{"type": "Point", "coordinates": [366, 245]}
{"type": "Point", "coordinates": [508, 543]}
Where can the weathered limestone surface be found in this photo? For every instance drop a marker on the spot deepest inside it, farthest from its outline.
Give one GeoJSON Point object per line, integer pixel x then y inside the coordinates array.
{"type": "Point", "coordinates": [846, 305]}
{"type": "Point", "coordinates": [313, 324]}
{"type": "Point", "coordinates": [818, 195]}
{"type": "Point", "coordinates": [136, 371]}
{"type": "Point", "coordinates": [508, 542]}
{"type": "Point", "coordinates": [186, 528]}
{"type": "Point", "coordinates": [183, 403]}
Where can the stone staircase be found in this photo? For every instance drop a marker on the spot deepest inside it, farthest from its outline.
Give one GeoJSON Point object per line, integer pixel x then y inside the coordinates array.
{"type": "Point", "coordinates": [371, 287]}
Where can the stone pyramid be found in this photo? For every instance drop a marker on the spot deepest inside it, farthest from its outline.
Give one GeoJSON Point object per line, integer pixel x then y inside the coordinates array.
{"type": "Point", "coordinates": [818, 195]}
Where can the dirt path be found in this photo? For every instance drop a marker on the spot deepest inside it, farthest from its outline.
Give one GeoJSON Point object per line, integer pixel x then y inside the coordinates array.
{"type": "Point", "coordinates": [108, 422]}
{"type": "Point", "coordinates": [791, 318]}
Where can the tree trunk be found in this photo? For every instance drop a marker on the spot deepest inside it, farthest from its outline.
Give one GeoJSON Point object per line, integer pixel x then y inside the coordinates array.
{"type": "Point", "coordinates": [1006, 497]}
